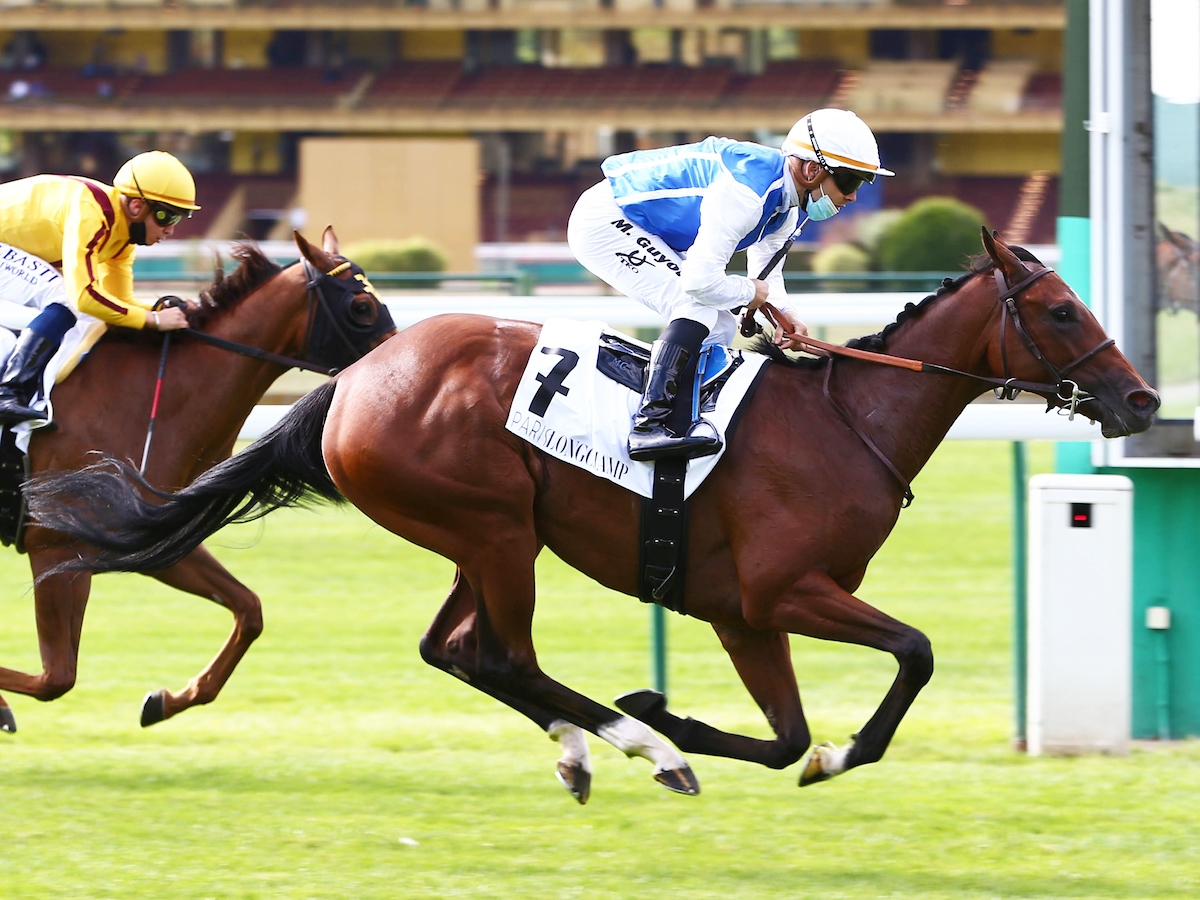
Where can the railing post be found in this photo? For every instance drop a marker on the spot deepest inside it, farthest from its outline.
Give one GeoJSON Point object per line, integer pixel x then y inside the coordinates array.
{"type": "Point", "coordinates": [658, 648]}
{"type": "Point", "coordinates": [1020, 588]}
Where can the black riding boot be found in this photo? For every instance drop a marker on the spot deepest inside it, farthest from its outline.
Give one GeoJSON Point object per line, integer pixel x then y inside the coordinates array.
{"type": "Point", "coordinates": [652, 436]}
{"type": "Point", "coordinates": [23, 375]}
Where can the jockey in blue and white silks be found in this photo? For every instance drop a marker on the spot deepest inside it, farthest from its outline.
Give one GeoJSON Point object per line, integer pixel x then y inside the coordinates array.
{"type": "Point", "coordinates": [664, 223]}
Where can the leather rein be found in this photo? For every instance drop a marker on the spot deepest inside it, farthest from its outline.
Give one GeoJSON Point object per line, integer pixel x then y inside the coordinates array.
{"type": "Point", "coordinates": [1063, 390]}
{"type": "Point", "coordinates": [316, 298]}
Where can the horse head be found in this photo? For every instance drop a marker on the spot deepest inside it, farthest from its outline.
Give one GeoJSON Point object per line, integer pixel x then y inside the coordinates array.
{"type": "Point", "coordinates": [1053, 333]}
{"type": "Point", "coordinates": [1177, 269]}
{"type": "Point", "coordinates": [347, 317]}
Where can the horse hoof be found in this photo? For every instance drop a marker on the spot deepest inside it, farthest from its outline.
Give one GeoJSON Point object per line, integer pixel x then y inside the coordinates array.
{"type": "Point", "coordinates": [8, 722]}
{"type": "Point", "coordinates": [821, 763]}
{"type": "Point", "coordinates": [640, 704]}
{"type": "Point", "coordinates": [153, 708]}
{"type": "Point", "coordinates": [681, 781]}
{"type": "Point", "coordinates": [576, 779]}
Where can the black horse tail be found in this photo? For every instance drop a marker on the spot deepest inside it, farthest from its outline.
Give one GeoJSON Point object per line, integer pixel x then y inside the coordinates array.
{"type": "Point", "coordinates": [133, 527]}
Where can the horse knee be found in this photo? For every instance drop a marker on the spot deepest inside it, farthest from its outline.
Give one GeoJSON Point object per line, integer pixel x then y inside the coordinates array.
{"type": "Point", "coordinates": [916, 658]}
{"type": "Point", "coordinates": [53, 685]}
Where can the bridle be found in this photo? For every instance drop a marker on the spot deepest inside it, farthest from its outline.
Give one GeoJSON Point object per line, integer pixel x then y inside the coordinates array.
{"type": "Point", "coordinates": [317, 302]}
{"type": "Point", "coordinates": [1063, 393]}
{"type": "Point", "coordinates": [1063, 389]}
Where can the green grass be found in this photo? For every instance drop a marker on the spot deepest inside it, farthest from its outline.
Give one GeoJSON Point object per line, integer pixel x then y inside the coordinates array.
{"type": "Point", "coordinates": [337, 765]}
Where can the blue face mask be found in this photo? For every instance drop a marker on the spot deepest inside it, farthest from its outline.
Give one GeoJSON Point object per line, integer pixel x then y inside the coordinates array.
{"type": "Point", "coordinates": [821, 208]}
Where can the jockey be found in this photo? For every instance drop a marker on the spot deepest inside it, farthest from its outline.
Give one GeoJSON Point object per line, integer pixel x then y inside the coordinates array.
{"type": "Point", "coordinates": [66, 248]}
{"type": "Point", "coordinates": [663, 225]}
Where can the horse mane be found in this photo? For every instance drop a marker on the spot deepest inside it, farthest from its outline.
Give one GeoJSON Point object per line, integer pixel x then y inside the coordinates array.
{"type": "Point", "coordinates": [876, 343]}
{"type": "Point", "coordinates": [254, 270]}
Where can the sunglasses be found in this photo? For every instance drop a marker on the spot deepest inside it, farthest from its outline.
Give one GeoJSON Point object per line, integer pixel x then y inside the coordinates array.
{"type": "Point", "coordinates": [850, 180]}
{"type": "Point", "coordinates": [166, 216]}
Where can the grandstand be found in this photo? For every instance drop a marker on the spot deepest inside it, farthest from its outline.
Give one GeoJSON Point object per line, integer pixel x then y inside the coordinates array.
{"type": "Point", "coordinates": [965, 94]}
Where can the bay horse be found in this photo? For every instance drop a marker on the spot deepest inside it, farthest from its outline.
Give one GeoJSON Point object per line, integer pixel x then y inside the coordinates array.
{"type": "Point", "coordinates": [780, 534]}
{"type": "Point", "coordinates": [1177, 270]}
{"type": "Point", "coordinates": [207, 393]}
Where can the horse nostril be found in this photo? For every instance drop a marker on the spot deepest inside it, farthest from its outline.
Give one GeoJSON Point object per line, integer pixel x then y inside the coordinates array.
{"type": "Point", "coordinates": [1143, 402]}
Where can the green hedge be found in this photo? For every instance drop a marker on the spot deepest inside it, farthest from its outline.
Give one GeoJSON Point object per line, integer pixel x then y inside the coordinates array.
{"type": "Point", "coordinates": [936, 234]}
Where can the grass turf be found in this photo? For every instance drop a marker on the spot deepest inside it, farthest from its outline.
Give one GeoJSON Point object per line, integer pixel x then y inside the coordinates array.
{"type": "Point", "coordinates": [337, 765]}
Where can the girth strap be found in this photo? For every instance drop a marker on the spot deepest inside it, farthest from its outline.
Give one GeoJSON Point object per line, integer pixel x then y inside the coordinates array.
{"type": "Point", "coordinates": [662, 553]}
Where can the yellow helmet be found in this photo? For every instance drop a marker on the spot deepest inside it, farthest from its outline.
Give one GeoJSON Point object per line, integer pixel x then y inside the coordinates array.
{"type": "Point", "coordinates": [156, 175]}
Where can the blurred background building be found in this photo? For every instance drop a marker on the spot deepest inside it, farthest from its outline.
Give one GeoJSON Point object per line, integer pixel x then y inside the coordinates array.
{"type": "Point", "coordinates": [491, 116]}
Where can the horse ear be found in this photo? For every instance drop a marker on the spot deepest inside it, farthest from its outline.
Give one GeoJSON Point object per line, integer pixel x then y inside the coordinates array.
{"type": "Point", "coordinates": [329, 240]}
{"type": "Point", "coordinates": [314, 254]}
{"type": "Point", "coordinates": [1000, 253]}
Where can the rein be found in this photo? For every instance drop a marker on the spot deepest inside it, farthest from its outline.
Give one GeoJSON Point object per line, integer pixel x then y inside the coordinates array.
{"type": "Point", "coordinates": [315, 298]}
{"type": "Point", "coordinates": [255, 352]}
{"type": "Point", "coordinates": [1006, 388]}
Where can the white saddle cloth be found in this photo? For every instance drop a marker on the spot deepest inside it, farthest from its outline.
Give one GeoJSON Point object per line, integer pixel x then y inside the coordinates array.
{"type": "Point", "coordinates": [75, 345]}
{"type": "Point", "coordinates": [568, 409]}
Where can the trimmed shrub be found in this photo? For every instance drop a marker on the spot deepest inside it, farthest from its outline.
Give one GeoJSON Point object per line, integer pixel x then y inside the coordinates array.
{"type": "Point", "coordinates": [936, 234]}
{"type": "Point", "coordinates": [841, 258]}
{"type": "Point", "coordinates": [414, 254]}
{"type": "Point", "coordinates": [870, 231]}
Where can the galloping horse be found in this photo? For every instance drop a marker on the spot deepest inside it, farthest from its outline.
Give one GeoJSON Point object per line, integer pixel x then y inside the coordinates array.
{"type": "Point", "coordinates": [207, 392]}
{"type": "Point", "coordinates": [780, 533]}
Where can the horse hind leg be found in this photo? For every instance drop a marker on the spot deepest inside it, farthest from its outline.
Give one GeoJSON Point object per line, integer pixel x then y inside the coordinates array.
{"type": "Point", "coordinates": [494, 653]}
{"type": "Point", "coordinates": [60, 602]}
{"type": "Point", "coordinates": [449, 644]}
{"type": "Point", "coordinates": [201, 574]}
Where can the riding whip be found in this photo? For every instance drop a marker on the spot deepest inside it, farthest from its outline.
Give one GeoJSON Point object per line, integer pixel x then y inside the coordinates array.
{"type": "Point", "coordinates": [747, 327]}
{"type": "Point", "coordinates": [162, 368]}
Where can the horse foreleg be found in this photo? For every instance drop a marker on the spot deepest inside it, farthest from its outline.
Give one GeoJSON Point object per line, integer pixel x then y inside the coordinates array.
{"type": "Point", "coordinates": [199, 573]}
{"type": "Point", "coordinates": [763, 661]}
{"type": "Point", "coordinates": [450, 643]}
{"type": "Point", "coordinates": [816, 606]}
{"type": "Point", "coordinates": [59, 605]}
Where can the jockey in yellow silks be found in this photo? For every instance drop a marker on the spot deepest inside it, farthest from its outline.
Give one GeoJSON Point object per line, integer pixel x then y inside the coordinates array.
{"type": "Point", "coordinates": [67, 248]}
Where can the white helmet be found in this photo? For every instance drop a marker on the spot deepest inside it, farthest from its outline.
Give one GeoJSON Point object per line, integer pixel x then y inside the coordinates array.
{"type": "Point", "coordinates": [837, 139]}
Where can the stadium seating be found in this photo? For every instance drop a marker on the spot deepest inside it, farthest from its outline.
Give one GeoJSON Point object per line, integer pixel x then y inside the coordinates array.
{"type": "Point", "coordinates": [1000, 84]}
{"type": "Point", "coordinates": [1043, 93]}
{"type": "Point", "coordinates": [50, 84]}
{"type": "Point", "coordinates": [295, 86]}
{"type": "Point", "coordinates": [799, 84]}
{"type": "Point", "coordinates": [903, 86]}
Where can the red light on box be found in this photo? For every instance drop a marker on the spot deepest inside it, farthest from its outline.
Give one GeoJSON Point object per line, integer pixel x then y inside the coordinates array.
{"type": "Point", "coordinates": [1081, 515]}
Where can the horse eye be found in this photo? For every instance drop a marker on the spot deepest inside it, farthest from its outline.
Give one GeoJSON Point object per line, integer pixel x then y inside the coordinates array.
{"type": "Point", "coordinates": [1062, 314]}
{"type": "Point", "coordinates": [363, 311]}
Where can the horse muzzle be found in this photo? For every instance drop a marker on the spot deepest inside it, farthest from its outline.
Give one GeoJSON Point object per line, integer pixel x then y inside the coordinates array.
{"type": "Point", "coordinates": [1126, 414]}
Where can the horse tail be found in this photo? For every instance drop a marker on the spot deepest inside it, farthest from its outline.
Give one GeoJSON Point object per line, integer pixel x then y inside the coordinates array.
{"type": "Point", "coordinates": [134, 527]}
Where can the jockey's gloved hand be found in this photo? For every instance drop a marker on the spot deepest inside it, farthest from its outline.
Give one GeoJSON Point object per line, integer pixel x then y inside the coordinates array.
{"type": "Point", "coordinates": [170, 300]}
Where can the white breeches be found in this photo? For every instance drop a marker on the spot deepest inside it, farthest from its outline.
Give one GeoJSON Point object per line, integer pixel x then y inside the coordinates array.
{"type": "Point", "coordinates": [637, 263]}
{"type": "Point", "coordinates": [29, 284]}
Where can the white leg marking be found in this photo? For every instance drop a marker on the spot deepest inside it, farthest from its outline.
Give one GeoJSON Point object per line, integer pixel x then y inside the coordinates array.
{"type": "Point", "coordinates": [573, 742]}
{"type": "Point", "coordinates": [633, 738]}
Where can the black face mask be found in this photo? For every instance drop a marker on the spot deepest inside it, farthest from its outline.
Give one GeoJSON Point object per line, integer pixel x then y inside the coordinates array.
{"type": "Point", "coordinates": [137, 233]}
